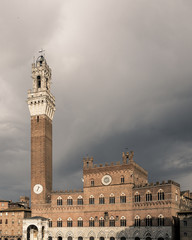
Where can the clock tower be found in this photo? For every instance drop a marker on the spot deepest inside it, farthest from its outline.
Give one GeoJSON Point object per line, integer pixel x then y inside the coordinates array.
{"type": "Point", "coordinates": [41, 105]}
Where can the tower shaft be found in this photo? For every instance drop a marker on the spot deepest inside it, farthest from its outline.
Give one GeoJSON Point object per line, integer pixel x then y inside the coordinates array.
{"type": "Point", "coordinates": [41, 105]}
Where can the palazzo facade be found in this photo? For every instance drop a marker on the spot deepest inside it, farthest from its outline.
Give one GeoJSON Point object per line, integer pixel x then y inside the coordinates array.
{"type": "Point", "coordinates": [116, 203]}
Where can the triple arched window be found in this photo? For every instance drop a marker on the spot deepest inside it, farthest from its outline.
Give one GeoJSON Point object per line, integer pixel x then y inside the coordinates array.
{"type": "Point", "coordinates": [112, 222]}
{"type": "Point", "coordinates": [137, 197]}
{"type": "Point", "coordinates": [160, 194]}
{"type": "Point", "coordinates": [91, 200]}
{"type": "Point", "coordinates": [148, 221]}
{"type": "Point", "coordinates": [137, 221]}
{"type": "Point", "coordinates": [59, 222]}
{"type": "Point", "coordinates": [59, 201]}
{"type": "Point", "coordinates": [101, 222]}
{"type": "Point", "coordinates": [80, 200]}
{"type": "Point", "coordinates": [111, 198]}
{"type": "Point", "coordinates": [148, 196]}
{"type": "Point", "coordinates": [123, 222]}
{"type": "Point", "coordinates": [101, 199]}
{"type": "Point", "coordinates": [69, 200]}
{"type": "Point", "coordinates": [122, 198]}
{"type": "Point", "coordinates": [91, 222]}
{"type": "Point", "coordinates": [80, 222]}
{"type": "Point", "coordinates": [160, 220]}
{"type": "Point", "coordinates": [69, 222]}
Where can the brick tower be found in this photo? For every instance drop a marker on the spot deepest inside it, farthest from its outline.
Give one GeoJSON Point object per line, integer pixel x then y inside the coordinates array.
{"type": "Point", "coordinates": [42, 107]}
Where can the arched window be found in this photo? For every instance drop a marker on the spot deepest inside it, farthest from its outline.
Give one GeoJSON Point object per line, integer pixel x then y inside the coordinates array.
{"type": "Point", "coordinates": [59, 222]}
{"type": "Point", "coordinates": [160, 194]}
{"type": "Point", "coordinates": [101, 222]}
{"type": "Point", "coordinates": [38, 81]}
{"type": "Point", "coordinates": [137, 221]}
{"type": "Point", "coordinates": [137, 197]}
{"type": "Point", "coordinates": [69, 238]}
{"type": "Point", "coordinates": [80, 222]}
{"type": "Point", "coordinates": [59, 238]}
{"type": "Point", "coordinates": [148, 221]}
{"type": "Point", "coordinates": [91, 238]}
{"type": "Point", "coordinates": [111, 198]}
{"type": "Point", "coordinates": [101, 199]}
{"type": "Point", "coordinates": [122, 198]}
{"type": "Point", "coordinates": [101, 238]}
{"type": "Point", "coordinates": [91, 222]}
{"type": "Point", "coordinates": [137, 238]}
{"type": "Point", "coordinates": [92, 183]}
{"type": "Point", "coordinates": [69, 200]}
{"type": "Point", "coordinates": [112, 238]}
{"type": "Point", "coordinates": [160, 220]}
{"type": "Point", "coordinates": [80, 200]}
{"type": "Point", "coordinates": [91, 200]}
{"type": "Point", "coordinates": [49, 238]}
{"type": "Point", "coordinates": [80, 238]}
{"type": "Point", "coordinates": [112, 222]}
{"type": "Point", "coordinates": [50, 223]}
{"type": "Point", "coordinates": [123, 222]}
{"type": "Point", "coordinates": [59, 201]}
{"type": "Point", "coordinates": [148, 196]}
{"type": "Point", "coordinates": [122, 179]}
{"type": "Point", "coordinates": [69, 222]}
{"type": "Point", "coordinates": [160, 238]}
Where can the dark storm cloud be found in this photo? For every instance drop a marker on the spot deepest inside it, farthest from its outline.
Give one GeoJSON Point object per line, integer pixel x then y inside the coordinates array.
{"type": "Point", "coordinates": [121, 77]}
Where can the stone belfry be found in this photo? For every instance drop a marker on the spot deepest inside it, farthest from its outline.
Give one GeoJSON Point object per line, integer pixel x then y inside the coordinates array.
{"type": "Point", "coordinates": [41, 105]}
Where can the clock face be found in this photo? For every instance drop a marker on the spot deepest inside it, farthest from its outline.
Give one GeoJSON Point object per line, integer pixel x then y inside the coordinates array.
{"type": "Point", "coordinates": [38, 188]}
{"type": "Point", "coordinates": [106, 180]}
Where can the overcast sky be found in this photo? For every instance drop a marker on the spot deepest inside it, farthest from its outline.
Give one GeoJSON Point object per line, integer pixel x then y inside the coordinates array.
{"type": "Point", "coordinates": [121, 76]}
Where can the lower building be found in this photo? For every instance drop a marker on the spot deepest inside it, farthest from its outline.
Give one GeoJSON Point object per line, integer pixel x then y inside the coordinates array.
{"type": "Point", "coordinates": [11, 218]}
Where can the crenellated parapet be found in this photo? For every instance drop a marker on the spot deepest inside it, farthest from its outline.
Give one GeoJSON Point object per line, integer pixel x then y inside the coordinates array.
{"type": "Point", "coordinates": [40, 100]}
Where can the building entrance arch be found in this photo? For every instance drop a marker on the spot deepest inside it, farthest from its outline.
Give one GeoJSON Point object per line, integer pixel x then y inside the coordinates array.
{"type": "Point", "coordinates": [32, 232]}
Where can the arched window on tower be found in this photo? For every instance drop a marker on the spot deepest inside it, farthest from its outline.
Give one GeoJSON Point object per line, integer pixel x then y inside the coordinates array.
{"type": "Point", "coordinates": [122, 179]}
{"type": "Point", "coordinates": [160, 194]}
{"type": "Point", "coordinates": [92, 183]}
{"type": "Point", "coordinates": [59, 201]}
{"type": "Point", "coordinates": [38, 81]}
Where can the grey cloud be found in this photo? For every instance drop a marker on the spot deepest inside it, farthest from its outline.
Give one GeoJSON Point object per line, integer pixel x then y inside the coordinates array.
{"type": "Point", "coordinates": [121, 78]}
